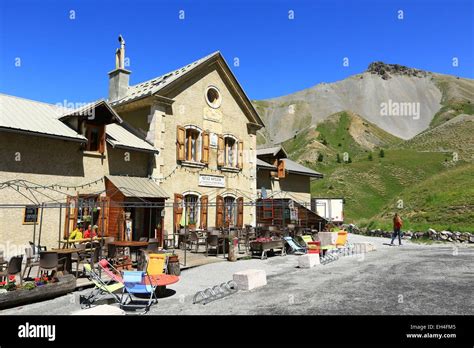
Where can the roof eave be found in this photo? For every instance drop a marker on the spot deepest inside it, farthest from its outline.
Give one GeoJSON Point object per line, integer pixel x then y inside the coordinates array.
{"type": "Point", "coordinates": [45, 135]}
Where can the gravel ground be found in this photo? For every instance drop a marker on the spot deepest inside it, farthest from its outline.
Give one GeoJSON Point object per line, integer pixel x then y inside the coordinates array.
{"type": "Point", "coordinates": [411, 279]}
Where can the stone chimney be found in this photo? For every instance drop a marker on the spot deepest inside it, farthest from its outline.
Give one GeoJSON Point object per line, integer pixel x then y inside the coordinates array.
{"type": "Point", "coordinates": [119, 78]}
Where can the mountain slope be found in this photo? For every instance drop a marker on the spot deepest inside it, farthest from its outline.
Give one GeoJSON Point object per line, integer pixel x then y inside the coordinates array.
{"type": "Point", "coordinates": [363, 94]}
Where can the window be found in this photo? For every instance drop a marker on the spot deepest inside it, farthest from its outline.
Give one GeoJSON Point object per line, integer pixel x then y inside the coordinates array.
{"type": "Point", "coordinates": [30, 215]}
{"type": "Point", "coordinates": [229, 152]}
{"type": "Point", "coordinates": [213, 97]}
{"type": "Point", "coordinates": [230, 211]}
{"type": "Point", "coordinates": [193, 145]}
{"type": "Point", "coordinates": [191, 209]}
{"type": "Point", "coordinates": [95, 135]}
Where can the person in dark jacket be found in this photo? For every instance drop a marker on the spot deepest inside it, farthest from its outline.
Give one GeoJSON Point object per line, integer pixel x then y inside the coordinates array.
{"type": "Point", "coordinates": [397, 226]}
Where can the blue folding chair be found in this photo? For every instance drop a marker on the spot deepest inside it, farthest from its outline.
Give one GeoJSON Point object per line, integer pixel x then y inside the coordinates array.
{"type": "Point", "coordinates": [134, 285]}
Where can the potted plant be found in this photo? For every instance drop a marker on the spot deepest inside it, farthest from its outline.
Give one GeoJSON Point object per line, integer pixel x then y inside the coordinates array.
{"type": "Point", "coordinates": [192, 224]}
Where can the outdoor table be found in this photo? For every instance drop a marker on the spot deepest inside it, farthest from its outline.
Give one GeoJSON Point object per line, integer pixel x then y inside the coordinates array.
{"type": "Point", "coordinates": [72, 242]}
{"type": "Point", "coordinates": [160, 281]}
{"type": "Point", "coordinates": [67, 253]}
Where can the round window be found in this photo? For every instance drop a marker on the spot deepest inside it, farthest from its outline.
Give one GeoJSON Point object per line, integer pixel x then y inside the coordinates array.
{"type": "Point", "coordinates": [213, 97]}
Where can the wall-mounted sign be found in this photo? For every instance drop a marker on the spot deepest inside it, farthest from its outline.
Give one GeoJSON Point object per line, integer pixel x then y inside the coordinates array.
{"type": "Point", "coordinates": [211, 181]}
{"type": "Point", "coordinates": [213, 140]}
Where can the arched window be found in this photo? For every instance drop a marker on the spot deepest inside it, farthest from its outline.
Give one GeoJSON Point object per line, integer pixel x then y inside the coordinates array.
{"type": "Point", "coordinates": [230, 159]}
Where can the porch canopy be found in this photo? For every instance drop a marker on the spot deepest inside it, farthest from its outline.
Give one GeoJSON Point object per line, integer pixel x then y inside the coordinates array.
{"type": "Point", "coordinates": [134, 186]}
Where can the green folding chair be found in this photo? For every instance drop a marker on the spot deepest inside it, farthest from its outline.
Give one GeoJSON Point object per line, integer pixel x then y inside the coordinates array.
{"type": "Point", "coordinates": [101, 290]}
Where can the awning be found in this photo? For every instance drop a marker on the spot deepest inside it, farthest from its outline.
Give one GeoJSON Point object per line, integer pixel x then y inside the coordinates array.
{"type": "Point", "coordinates": [139, 187]}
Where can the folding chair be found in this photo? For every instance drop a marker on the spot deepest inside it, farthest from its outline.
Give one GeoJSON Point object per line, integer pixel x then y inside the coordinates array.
{"type": "Point", "coordinates": [157, 263]}
{"type": "Point", "coordinates": [134, 284]}
{"type": "Point", "coordinates": [101, 290]}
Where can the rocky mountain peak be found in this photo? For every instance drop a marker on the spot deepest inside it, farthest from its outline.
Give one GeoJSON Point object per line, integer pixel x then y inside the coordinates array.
{"type": "Point", "coordinates": [386, 70]}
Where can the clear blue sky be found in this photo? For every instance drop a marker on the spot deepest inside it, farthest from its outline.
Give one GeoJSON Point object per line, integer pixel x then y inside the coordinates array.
{"type": "Point", "coordinates": [69, 59]}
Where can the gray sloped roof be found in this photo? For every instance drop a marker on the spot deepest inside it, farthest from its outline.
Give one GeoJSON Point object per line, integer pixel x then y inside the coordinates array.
{"type": "Point", "coordinates": [139, 187]}
{"type": "Point", "coordinates": [270, 150]}
{"type": "Point", "coordinates": [118, 136]}
{"type": "Point", "coordinates": [152, 86]}
{"type": "Point", "coordinates": [21, 114]}
{"type": "Point", "coordinates": [297, 168]}
{"type": "Point", "coordinates": [265, 165]}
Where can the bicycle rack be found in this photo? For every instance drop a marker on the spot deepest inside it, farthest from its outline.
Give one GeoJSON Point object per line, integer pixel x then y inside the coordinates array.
{"type": "Point", "coordinates": [333, 255]}
{"type": "Point", "coordinates": [215, 292]}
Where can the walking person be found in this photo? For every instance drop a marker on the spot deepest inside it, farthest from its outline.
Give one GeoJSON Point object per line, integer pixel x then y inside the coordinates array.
{"type": "Point", "coordinates": [397, 225]}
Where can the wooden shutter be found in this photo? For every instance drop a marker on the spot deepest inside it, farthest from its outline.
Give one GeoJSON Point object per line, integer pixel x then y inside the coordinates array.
{"type": "Point", "coordinates": [240, 212]}
{"type": "Point", "coordinates": [240, 153]}
{"type": "Point", "coordinates": [104, 204]}
{"type": "Point", "coordinates": [203, 219]}
{"type": "Point", "coordinates": [205, 148]}
{"type": "Point", "coordinates": [219, 211]}
{"type": "Point", "coordinates": [70, 222]}
{"type": "Point", "coordinates": [220, 151]}
{"type": "Point", "coordinates": [177, 210]}
{"type": "Point", "coordinates": [180, 141]}
{"type": "Point", "coordinates": [281, 169]}
{"type": "Point", "coordinates": [102, 139]}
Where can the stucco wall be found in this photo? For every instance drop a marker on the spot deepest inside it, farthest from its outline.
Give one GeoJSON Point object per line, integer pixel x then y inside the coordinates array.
{"type": "Point", "coordinates": [46, 161]}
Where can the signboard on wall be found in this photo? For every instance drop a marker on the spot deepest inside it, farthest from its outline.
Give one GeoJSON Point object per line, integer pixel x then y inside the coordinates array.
{"type": "Point", "coordinates": [211, 180]}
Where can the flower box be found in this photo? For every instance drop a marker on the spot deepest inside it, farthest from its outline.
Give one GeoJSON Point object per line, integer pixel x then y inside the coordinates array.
{"type": "Point", "coordinates": [48, 291]}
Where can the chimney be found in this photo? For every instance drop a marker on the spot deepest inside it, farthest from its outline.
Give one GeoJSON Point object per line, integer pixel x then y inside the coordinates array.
{"type": "Point", "coordinates": [119, 78]}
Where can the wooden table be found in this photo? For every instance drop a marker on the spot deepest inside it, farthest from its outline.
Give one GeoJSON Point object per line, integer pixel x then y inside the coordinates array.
{"type": "Point", "coordinates": [69, 242]}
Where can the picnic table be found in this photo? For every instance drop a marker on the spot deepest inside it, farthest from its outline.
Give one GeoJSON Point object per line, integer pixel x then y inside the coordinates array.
{"type": "Point", "coordinates": [67, 253]}
{"type": "Point", "coordinates": [132, 244]}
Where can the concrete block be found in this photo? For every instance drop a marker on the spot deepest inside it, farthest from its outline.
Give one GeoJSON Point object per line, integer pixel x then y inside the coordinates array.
{"type": "Point", "coordinates": [250, 279]}
{"type": "Point", "coordinates": [100, 310]}
{"type": "Point", "coordinates": [308, 260]}
{"type": "Point", "coordinates": [327, 238]}
{"type": "Point", "coordinates": [362, 248]}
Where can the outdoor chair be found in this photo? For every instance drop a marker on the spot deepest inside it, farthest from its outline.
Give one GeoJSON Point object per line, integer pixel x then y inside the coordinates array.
{"type": "Point", "coordinates": [213, 241]}
{"type": "Point", "coordinates": [195, 239]}
{"type": "Point", "coordinates": [49, 261]}
{"type": "Point", "coordinates": [157, 264]}
{"type": "Point", "coordinates": [110, 270]}
{"type": "Point", "coordinates": [134, 286]}
{"type": "Point", "coordinates": [118, 259]}
{"type": "Point", "coordinates": [79, 257]}
{"type": "Point", "coordinates": [13, 268]}
{"type": "Point", "coordinates": [31, 261]}
{"type": "Point", "coordinates": [37, 248]}
{"type": "Point", "coordinates": [102, 289]}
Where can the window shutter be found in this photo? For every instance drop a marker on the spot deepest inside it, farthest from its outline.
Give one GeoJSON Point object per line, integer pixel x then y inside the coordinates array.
{"type": "Point", "coordinates": [180, 140]}
{"type": "Point", "coordinates": [219, 211]}
{"type": "Point", "coordinates": [240, 153]}
{"type": "Point", "coordinates": [70, 222]}
{"type": "Point", "coordinates": [177, 210]}
{"type": "Point", "coordinates": [220, 151]}
{"type": "Point", "coordinates": [240, 212]}
{"type": "Point", "coordinates": [203, 218]}
{"type": "Point", "coordinates": [102, 140]}
{"type": "Point", "coordinates": [281, 169]}
{"type": "Point", "coordinates": [104, 204]}
{"type": "Point", "coordinates": [205, 148]}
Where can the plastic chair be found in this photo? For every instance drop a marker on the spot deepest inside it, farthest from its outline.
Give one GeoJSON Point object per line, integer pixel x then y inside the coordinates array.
{"type": "Point", "coordinates": [49, 261]}
{"type": "Point", "coordinates": [31, 261]}
{"type": "Point", "coordinates": [79, 257]}
{"type": "Point", "coordinates": [13, 268]}
{"type": "Point", "coordinates": [156, 264]}
{"type": "Point", "coordinates": [213, 241]}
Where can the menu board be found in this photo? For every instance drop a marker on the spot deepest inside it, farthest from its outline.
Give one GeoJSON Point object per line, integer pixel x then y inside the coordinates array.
{"type": "Point", "coordinates": [31, 215]}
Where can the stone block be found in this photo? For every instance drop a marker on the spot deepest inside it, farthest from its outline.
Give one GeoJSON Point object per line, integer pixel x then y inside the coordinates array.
{"type": "Point", "coordinates": [250, 279]}
{"type": "Point", "coordinates": [308, 260]}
